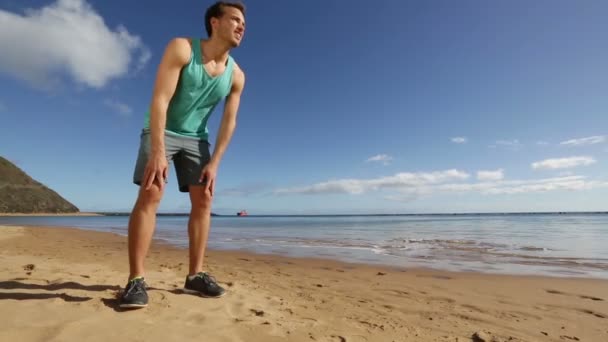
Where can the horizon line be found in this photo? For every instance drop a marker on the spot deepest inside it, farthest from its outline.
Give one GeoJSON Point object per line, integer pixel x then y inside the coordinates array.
{"type": "Point", "coordinates": [121, 213]}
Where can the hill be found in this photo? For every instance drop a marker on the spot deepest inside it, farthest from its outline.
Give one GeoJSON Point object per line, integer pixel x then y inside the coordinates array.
{"type": "Point", "coordinates": [20, 193]}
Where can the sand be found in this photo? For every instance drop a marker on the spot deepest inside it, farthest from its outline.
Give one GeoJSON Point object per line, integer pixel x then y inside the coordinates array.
{"type": "Point", "coordinates": [60, 284]}
{"type": "Point", "coordinates": [50, 214]}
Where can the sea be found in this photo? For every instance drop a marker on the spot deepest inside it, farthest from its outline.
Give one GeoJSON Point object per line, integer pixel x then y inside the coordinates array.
{"type": "Point", "coordinates": [549, 244]}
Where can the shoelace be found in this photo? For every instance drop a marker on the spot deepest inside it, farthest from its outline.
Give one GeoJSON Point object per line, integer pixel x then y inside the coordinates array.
{"type": "Point", "coordinates": [209, 279]}
{"type": "Point", "coordinates": [136, 287]}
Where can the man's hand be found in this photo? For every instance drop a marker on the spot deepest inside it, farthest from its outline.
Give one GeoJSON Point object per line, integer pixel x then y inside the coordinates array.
{"type": "Point", "coordinates": [208, 175]}
{"type": "Point", "coordinates": [156, 170]}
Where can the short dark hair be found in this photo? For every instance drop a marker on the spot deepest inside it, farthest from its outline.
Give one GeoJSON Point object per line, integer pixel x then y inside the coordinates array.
{"type": "Point", "coordinates": [217, 11]}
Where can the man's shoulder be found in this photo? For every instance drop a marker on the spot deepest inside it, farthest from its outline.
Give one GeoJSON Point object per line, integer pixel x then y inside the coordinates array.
{"type": "Point", "coordinates": [237, 70]}
{"type": "Point", "coordinates": [181, 42]}
{"type": "Point", "coordinates": [238, 78]}
{"type": "Point", "coordinates": [181, 47]}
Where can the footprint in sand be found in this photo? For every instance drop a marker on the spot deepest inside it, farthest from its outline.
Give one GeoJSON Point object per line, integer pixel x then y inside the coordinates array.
{"type": "Point", "coordinates": [486, 336]}
{"type": "Point", "coordinates": [237, 308]}
{"type": "Point", "coordinates": [598, 315]}
{"type": "Point", "coordinates": [579, 296]}
{"type": "Point", "coordinates": [592, 298]}
{"type": "Point", "coordinates": [473, 308]}
{"type": "Point", "coordinates": [372, 325]}
{"type": "Point", "coordinates": [196, 318]}
{"type": "Point", "coordinates": [446, 300]}
{"type": "Point", "coordinates": [398, 292]}
{"type": "Point", "coordinates": [259, 313]}
{"type": "Point", "coordinates": [160, 298]}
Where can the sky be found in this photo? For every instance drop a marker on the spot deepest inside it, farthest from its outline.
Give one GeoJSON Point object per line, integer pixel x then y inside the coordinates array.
{"type": "Point", "coordinates": [349, 107]}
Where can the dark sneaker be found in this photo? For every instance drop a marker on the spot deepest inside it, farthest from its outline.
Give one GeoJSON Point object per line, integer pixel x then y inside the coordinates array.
{"type": "Point", "coordinates": [134, 295]}
{"type": "Point", "coordinates": [203, 284]}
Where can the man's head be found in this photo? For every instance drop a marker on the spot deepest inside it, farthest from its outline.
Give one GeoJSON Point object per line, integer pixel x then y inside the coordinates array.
{"type": "Point", "coordinates": [226, 21]}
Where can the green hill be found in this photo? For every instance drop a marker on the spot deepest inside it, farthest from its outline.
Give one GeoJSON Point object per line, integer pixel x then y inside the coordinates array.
{"type": "Point", "coordinates": [19, 193]}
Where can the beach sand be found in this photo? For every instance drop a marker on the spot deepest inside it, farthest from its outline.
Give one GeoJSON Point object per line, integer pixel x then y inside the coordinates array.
{"type": "Point", "coordinates": [60, 284]}
{"type": "Point", "coordinates": [49, 214]}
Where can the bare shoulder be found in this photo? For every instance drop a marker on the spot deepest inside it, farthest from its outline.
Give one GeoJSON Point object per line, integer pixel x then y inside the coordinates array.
{"type": "Point", "coordinates": [238, 69]}
{"type": "Point", "coordinates": [238, 78]}
{"type": "Point", "coordinates": [179, 49]}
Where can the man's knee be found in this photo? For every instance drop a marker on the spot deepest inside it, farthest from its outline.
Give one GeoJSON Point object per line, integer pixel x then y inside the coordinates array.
{"type": "Point", "coordinates": [150, 198]}
{"type": "Point", "coordinates": [201, 198]}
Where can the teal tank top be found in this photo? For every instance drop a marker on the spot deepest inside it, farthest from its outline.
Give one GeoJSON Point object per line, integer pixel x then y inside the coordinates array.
{"type": "Point", "coordinates": [196, 96]}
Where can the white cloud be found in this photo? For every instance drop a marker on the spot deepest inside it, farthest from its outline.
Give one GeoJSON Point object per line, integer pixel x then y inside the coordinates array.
{"type": "Point", "coordinates": [67, 36]}
{"type": "Point", "coordinates": [491, 175]}
{"type": "Point", "coordinates": [512, 144]}
{"type": "Point", "coordinates": [384, 158]}
{"type": "Point", "coordinates": [563, 163]}
{"type": "Point", "coordinates": [358, 186]}
{"type": "Point", "coordinates": [409, 186]}
{"type": "Point", "coordinates": [459, 140]}
{"type": "Point", "coordinates": [120, 107]}
{"type": "Point", "coordinates": [573, 183]}
{"type": "Point", "coordinates": [542, 143]}
{"type": "Point", "coordinates": [597, 139]}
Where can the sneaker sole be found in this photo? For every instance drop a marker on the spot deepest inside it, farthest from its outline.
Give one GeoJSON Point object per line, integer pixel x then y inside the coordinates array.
{"type": "Point", "coordinates": [133, 306]}
{"type": "Point", "coordinates": [194, 292]}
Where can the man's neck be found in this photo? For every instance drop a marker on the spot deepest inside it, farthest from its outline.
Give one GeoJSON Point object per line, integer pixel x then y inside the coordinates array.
{"type": "Point", "coordinates": [214, 49]}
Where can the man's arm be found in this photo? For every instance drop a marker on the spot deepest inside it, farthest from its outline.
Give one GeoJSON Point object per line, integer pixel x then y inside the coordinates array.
{"type": "Point", "coordinates": [226, 128]}
{"type": "Point", "coordinates": [228, 122]}
{"type": "Point", "coordinates": [176, 55]}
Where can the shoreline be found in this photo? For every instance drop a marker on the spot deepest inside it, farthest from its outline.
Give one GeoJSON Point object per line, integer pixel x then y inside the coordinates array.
{"type": "Point", "coordinates": [489, 270]}
{"type": "Point", "coordinates": [164, 245]}
{"type": "Point", "coordinates": [66, 281]}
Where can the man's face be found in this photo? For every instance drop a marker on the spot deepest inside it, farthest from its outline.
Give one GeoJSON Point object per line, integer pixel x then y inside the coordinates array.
{"type": "Point", "coordinates": [231, 26]}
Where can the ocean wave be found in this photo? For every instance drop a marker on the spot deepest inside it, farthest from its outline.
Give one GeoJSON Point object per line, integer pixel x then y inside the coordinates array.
{"type": "Point", "coordinates": [452, 250]}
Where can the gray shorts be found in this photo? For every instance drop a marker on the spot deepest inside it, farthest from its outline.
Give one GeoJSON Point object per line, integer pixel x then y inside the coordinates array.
{"type": "Point", "coordinates": [188, 155]}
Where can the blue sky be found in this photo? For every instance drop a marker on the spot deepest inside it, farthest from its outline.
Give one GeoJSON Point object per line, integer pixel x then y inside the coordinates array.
{"type": "Point", "coordinates": [349, 107]}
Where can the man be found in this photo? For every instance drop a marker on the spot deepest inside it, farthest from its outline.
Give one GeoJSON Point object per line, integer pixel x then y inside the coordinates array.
{"type": "Point", "coordinates": [192, 78]}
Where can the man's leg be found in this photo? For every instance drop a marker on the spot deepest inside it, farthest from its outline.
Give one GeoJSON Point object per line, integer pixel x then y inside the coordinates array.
{"type": "Point", "coordinates": [142, 222]}
{"type": "Point", "coordinates": [198, 226]}
{"type": "Point", "coordinates": [141, 228]}
{"type": "Point", "coordinates": [143, 216]}
{"type": "Point", "coordinates": [189, 166]}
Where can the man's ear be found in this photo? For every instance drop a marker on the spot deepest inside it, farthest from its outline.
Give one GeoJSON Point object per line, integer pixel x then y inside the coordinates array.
{"type": "Point", "coordinates": [214, 22]}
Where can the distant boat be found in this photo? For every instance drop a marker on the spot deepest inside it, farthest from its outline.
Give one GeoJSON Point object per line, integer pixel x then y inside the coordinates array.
{"type": "Point", "coordinates": [242, 213]}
